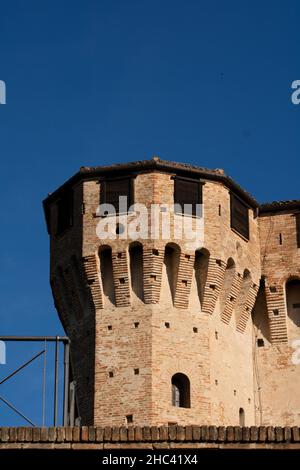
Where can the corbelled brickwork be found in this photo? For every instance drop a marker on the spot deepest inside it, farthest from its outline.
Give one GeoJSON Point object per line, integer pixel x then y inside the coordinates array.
{"type": "Point", "coordinates": [220, 310]}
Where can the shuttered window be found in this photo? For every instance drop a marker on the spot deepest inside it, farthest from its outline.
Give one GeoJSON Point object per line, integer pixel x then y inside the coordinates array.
{"type": "Point", "coordinates": [298, 229]}
{"type": "Point", "coordinates": [64, 212]}
{"type": "Point", "coordinates": [239, 216]}
{"type": "Point", "coordinates": [112, 190]}
{"type": "Point", "coordinates": [187, 191]}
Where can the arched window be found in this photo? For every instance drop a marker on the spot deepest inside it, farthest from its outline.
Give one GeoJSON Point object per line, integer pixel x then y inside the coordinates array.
{"type": "Point", "coordinates": [181, 391]}
{"type": "Point", "coordinates": [242, 417]}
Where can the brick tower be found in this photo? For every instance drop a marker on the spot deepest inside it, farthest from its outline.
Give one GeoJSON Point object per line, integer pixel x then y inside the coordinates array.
{"type": "Point", "coordinates": [172, 330]}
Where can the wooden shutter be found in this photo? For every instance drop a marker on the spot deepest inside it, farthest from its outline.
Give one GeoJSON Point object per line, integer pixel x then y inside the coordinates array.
{"type": "Point", "coordinates": [298, 229]}
{"type": "Point", "coordinates": [239, 216]}
{"type": "Point", "coordinates": [187, 191]}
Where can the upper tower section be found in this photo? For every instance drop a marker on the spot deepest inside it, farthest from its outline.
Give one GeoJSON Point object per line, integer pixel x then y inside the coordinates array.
{"type": "Point", "coordinates": [155, 202]}
{"type": "Point", "coordinates": [139, 249]}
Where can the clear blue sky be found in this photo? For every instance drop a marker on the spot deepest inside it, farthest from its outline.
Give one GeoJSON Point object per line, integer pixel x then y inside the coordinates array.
{"type": "Point", "coordinates": [94, 82]}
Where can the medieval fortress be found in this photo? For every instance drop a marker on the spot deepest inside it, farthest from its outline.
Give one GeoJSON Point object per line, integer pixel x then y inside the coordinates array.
{"type": "Point", "coordinates": [167, 331]}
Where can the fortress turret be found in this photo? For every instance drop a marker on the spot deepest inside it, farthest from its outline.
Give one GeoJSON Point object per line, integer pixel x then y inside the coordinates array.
{"type": "Point", "coordinates": [174, 296]}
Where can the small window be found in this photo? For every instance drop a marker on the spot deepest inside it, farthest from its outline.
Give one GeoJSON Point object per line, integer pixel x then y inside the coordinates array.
{"type": "Point", "coordinates": [260, 343]}
{"type": "Point", "coordinates": [187, 191]}
{"type": "Point", "coordinates": [239, 216]}
{"type": "Point", "coordinates": [241, 417]}
{"type": "Point", "coordinates": [298, 229]}
{"type": "Point", "coordinates": [181, 391]}
{"type": "Point", "coordinates": [64, 212]}
{"type": "Point", "coordinates": [112, 190]}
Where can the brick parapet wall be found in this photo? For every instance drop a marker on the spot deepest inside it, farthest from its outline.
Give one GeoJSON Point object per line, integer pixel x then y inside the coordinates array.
{"type": "Point", "coordinates": [149, 437]}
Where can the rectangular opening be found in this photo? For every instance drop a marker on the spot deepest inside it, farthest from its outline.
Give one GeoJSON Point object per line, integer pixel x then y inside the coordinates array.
{"type": "Point", "coordinates": [129, 419]}
{"type": "Point", "coordinates": [155, 252]}
{"type": "Point", "coordinates": [113, 189]}
{"type": "Point", "coordinates": [187, 194]}
{"type": "Point", "coordinates": [122, 280]}
{"type": "Point", "coordinates": [260, 343]}
{"type": "Point", "coordinates": [276, 312]}
{"type": "Point", "coordinates": [184, 282]}
{"type": "Point", "coordinates": [239, 215]}
{"type": "Point", "coordinates": [273, 289]}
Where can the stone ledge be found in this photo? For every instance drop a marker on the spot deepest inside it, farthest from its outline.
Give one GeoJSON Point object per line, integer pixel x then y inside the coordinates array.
{"type": "Point", "coordinates": [150, 437]}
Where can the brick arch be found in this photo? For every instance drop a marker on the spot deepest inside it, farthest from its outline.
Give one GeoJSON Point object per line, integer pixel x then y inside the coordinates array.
{"type": "Point", "coordinates": [172, 254]}
{"type": "Point", "coordinates": [242, 297]}
{"type": "Point", "coordinates": [135, 251]}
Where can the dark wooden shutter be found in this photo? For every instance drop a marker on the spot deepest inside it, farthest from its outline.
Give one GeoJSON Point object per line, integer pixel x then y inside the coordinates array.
{"type": "Point", "coordinates": [298, 229]}
{"type": "Point", "coordinates": [65, 212]}
{"type": "Point", "coordinates": [187, 192]}
{"type": "Point", "coordinates": [239, 216]}
{"type": "Point", "coordinates": [114, 189]}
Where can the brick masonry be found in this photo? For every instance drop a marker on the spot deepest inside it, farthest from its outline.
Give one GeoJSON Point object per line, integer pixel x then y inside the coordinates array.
{"type": "Point", "coordinates": [160, 307]}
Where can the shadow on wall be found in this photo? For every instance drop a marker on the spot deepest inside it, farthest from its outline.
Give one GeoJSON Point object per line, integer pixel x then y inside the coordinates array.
{"type": "Point", "coordinates": [105, 255]}
{"type": "Point", "coordinates": [136, 271]}
{"type": "Point", "coordinates": [292, 292]}
{"type": "Point", "coordinates": [171, 263]}
{"type": "Point", "coordinates": [201, 270]}
{"type": "Point", "coordinates": [260, 316]}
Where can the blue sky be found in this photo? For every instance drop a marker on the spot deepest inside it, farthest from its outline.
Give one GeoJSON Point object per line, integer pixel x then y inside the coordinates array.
{"type": "Point", "coordinates": [95, 82]}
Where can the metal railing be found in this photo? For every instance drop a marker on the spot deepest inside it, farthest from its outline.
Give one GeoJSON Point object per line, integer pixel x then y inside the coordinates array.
{"type": "Point", "coordinates": [69, 386]}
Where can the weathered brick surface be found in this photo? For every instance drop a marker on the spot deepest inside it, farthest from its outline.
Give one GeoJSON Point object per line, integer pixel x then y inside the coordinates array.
{"type": "Point", "coordinates": [163, 314]}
